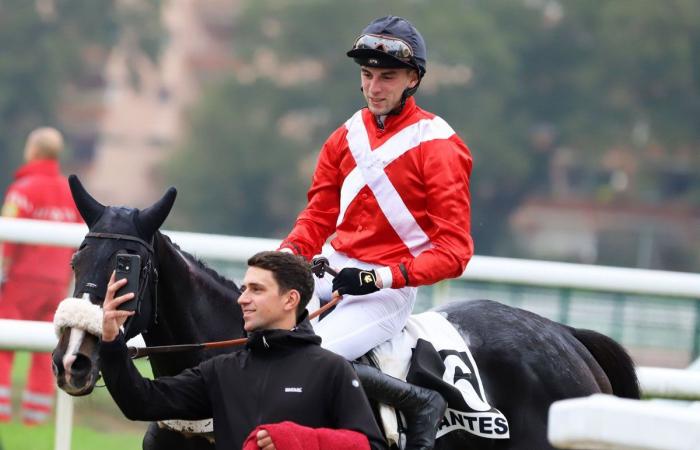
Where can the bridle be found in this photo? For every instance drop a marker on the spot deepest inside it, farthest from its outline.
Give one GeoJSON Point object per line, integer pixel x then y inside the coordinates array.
{"type": "Point", "coordinates": [148, 279]}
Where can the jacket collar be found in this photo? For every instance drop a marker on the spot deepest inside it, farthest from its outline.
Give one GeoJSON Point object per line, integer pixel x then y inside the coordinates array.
{"type": "Point", "coordinates": [391, 121]}
{"type": "Point", "coordinates": [38, 167]}
{"type": "Point", "coordinates": [276, 339]}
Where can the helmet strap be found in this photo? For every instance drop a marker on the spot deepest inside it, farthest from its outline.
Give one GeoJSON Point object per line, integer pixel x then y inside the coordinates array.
{"type": "Point", "coordinates": [404, 96]}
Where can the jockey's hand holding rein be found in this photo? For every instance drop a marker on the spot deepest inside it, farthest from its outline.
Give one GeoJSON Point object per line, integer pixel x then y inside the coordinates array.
{"type": "Point", "coordinates": [353, 281]}
{"type": "Point", "coordinates": [113, 318]}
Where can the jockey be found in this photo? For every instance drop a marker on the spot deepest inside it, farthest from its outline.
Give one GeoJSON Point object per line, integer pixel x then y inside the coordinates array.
{"type": "Point", "coordinates": [392, 183]}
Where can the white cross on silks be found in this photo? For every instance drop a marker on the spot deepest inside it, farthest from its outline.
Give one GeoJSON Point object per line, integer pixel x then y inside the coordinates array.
{"type": "Point", "coordinates": [369, 171]}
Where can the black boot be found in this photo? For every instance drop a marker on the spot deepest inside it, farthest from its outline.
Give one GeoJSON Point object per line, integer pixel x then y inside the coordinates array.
{"type": "Point", "coordinates": [423, 408]}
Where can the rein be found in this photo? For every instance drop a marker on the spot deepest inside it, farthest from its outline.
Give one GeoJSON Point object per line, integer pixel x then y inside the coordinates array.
{"type": "Point", "coordinates": [319, 268]}
{"type": "Point", "coordinates": [140, 352]}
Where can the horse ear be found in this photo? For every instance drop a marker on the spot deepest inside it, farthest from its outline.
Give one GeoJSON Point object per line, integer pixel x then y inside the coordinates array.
{"type": "Point", "coordinates": [89, 208]}
{"type": "Point", "coordinates": [151, 218]}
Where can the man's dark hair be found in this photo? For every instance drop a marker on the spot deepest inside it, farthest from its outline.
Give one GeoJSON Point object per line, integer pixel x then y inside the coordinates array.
{"type": "Point", "coordinates": [289, 271]}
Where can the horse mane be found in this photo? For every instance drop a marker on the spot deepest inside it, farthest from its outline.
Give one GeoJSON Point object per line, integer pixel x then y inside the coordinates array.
{"type": "Point", "coordinates": [202, 265]}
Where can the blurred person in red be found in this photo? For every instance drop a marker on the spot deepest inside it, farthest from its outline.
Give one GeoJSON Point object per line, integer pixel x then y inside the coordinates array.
{"type": "Point", "coordinates": [35, 277]}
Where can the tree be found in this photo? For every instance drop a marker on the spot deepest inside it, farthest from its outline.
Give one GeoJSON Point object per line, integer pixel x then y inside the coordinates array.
{"type": "Point", "coordinates": [42, 49]}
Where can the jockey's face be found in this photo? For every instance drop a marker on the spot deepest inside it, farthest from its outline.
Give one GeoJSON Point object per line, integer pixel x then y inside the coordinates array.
{"type": "Point", "coordinates": [264, 306]}
{"type": "Point", "coordinates": [383, 88]}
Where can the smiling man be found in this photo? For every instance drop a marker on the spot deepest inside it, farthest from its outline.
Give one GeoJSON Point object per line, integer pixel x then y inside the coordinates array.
{"type": "Point", "coordinates": [282, 375]}
{"type": "Point", "coordinates": [392, 184]}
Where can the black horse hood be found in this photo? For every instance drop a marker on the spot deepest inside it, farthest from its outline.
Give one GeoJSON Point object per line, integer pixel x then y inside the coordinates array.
{"type": "Point", "coordinates": [267, 340]}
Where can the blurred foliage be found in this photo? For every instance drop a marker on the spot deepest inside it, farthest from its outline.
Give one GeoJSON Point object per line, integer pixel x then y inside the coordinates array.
{"type": "Point", "coordinates": [45, 45]}
{"type": "Point", "coordinates": [516, 79]}
{"type": "Point", "coordinates": [524, 82]}
{"type": "Point", "coordinates": [40, 50]}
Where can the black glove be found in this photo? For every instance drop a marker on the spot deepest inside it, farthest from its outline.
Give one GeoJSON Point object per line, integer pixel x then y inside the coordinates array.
{"type": "Point", "coordinates": [352, 281]}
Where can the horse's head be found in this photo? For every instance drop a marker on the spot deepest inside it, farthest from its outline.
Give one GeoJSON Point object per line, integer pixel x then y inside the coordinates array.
{"type": "Point", "coordinates": [112, 231]}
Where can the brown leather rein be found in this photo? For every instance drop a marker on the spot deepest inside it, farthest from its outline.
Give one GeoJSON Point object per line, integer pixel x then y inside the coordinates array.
{"type": "Point", "coordinates": [319, 268]}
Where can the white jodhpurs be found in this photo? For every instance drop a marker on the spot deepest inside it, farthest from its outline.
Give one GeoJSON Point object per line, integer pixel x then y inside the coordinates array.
{"type": "Point", "coordinates": [360, 323]}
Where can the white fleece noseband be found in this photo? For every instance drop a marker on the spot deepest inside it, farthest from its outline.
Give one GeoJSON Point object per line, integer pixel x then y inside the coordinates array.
{"type": "Point", "coordinates": [78, 313]}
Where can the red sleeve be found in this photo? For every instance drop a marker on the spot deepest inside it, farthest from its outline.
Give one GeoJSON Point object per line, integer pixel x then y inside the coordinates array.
{"type": "Point", "coordinates": [318, 220]}
{"type": "Point", "coordinates": [447, 166]}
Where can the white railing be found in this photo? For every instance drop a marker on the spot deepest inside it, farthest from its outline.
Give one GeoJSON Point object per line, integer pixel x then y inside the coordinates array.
{"type": "Point", "coordinates": [39, 336]}
{"type": "Point", "coordinates": [604, 422]}
{"type": "Point", "coordinates": [481, 268]}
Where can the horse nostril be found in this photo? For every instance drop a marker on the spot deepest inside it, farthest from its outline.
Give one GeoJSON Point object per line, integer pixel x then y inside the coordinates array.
{"type": "Point", "coordinates": [81, 366]}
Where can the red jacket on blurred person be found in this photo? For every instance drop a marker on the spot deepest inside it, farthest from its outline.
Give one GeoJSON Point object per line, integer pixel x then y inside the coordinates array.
{"type": "Point", "coordinates": [39, 192]}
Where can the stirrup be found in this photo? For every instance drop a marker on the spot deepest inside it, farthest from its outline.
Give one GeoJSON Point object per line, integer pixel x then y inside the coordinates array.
{"type": "Point", "coordinates": [423, 408]}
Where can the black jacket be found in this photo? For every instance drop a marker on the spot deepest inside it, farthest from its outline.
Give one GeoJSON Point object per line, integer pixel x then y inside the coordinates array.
{"type": "Point", "coordinates": [280, 375]}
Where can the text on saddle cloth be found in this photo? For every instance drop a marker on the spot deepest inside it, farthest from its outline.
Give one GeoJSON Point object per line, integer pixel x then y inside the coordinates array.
{"type": "Point", "coordinates": [431, 353]}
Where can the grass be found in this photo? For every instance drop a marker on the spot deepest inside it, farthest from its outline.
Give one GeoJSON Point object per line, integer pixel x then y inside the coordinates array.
{"type": "Point", "coordinates": [18, 437]}
{"type": "Point", "coordinates": [97, 422]}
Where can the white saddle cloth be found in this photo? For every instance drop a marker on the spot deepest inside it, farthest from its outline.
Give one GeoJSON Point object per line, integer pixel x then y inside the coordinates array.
{"type": "Point", "coordinates": [394, 358]}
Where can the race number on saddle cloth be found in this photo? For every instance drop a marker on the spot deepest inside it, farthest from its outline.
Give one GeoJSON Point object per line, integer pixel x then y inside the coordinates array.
{"type": "Point", "coordinates": [430, 352]}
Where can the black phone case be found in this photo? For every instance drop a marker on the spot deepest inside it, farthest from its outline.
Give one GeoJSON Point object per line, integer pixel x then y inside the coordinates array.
{"type": "Point", "coordinates": [129, 267]}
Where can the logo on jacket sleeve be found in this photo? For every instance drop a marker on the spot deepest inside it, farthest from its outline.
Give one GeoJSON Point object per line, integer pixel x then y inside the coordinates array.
{"type": "Point", "coordinates": [293, 389]}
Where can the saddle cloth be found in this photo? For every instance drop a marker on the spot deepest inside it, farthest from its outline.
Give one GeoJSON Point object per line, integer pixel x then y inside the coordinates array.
{"type": "Point", "coordinates": [431, 353]}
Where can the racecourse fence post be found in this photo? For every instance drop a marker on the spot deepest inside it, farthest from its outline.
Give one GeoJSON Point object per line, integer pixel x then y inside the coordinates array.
{"type": "Point", "coordinates": [696, 334]}
{"type": "Point", "coordinates": [64, 421]}
{"type": "Point", "coordinates": [618, 316]}
{"type": "Point", "coordinates": [564, 305]}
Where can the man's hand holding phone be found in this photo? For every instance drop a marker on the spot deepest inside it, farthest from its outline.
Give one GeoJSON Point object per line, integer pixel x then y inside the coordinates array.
{"type": "Point", "coordinates": [112, 317]}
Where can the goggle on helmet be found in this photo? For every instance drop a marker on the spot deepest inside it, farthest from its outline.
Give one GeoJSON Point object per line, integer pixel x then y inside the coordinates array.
{"type": "Point", "coordinates": [390, 42]}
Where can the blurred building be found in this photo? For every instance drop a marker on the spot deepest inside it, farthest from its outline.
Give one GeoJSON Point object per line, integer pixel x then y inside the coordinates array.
{"type": "Point", "coordinates": [128, 116]}
{"type": "Point", "coordinates": [625, 235]}
{"type": "Point", "coordinates": [611, 215]}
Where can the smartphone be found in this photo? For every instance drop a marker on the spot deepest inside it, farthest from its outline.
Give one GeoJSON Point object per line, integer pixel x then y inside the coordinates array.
{"type": "Point", "coordinates": [129, 267]}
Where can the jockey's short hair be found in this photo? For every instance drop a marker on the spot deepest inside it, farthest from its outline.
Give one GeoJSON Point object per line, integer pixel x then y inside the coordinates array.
{"type": "Point", "coordinates": [289, 271]}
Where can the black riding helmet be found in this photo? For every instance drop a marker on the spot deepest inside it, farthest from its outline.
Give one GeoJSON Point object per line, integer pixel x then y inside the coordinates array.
{"type": "Point", "coordinates": [391, 42]}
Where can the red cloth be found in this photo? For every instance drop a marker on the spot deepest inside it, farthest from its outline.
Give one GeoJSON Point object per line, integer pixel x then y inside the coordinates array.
{"type": "Point", "coordinates": [432, 181]}
{"type": "Point", "coordinates": [39, 192]}
{"type": "Point", "coordinates": [290, 436]}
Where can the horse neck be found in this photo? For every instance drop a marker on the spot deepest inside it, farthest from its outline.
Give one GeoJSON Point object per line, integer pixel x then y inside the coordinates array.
{"type": "Point", "coordinates": [192, 306]}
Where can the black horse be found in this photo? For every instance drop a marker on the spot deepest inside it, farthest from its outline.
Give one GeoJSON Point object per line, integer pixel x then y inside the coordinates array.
{"type": "Point", "coordinates": [526, 362]}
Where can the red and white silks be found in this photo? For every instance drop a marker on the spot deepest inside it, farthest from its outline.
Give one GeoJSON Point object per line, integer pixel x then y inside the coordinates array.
{"type": "Point", "coordinates": [397, 197]}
